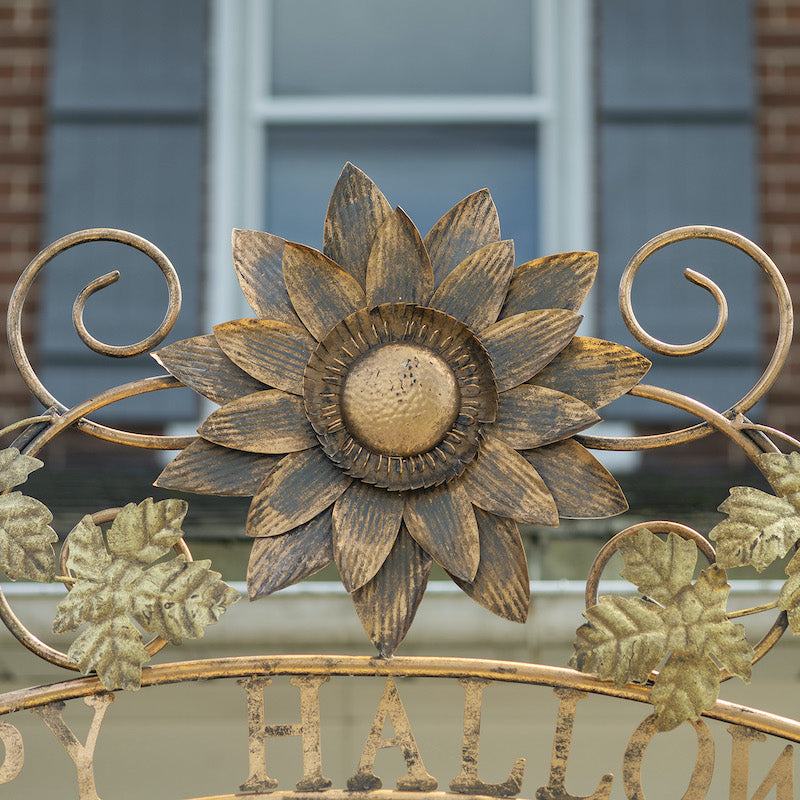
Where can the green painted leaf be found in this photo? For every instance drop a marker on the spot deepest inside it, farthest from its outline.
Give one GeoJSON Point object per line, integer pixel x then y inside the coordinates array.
{"type": "Point", "coordinates": [760, 528]}
{"type": "Point", "coordinates": [658, 568]}
{"type": "Point", "coordinates": [789, 596]}
{"type": "Point", "coordinates": [146, 532]}
{"type": "Point", "coordinates": [623, 640]}
{"type": "Point", "coordinates": [687, 685]}
{"type": "Point", "coordinates": [177, 599]}
{"type": "Point", "coordinates": [26, 539]}
{"type": "Point", "coordinates": [15, 468]}
{"type": "Point", "coordinates": [783, 473]}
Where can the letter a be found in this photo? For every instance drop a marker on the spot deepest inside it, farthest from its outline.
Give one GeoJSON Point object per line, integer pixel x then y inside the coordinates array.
{"type": "Point", "coordinates": [416, 778]}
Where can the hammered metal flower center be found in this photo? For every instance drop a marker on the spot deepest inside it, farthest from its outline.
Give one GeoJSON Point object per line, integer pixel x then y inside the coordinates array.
{"type": "Point", "coordinates": [400, 399]}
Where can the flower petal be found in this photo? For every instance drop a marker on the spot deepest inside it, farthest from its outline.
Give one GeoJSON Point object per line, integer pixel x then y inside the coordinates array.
{"type": "Point", "coordinates": [528, 418]}
{"type": "Point", "coordinates": [205, 468]}
{"type": "Point", "coordinates": [474, 291]}
{"type": "Point", "coordinates": [502, 482]}
{"type": "Point", "coordinates": [300, 487]}
{"type": "Point", "coordinates": [257, 258]}
{"type": "Point", "coordinates": [399, 270]}
{"type": "Point", "coordinates": [265, 422]}
{"type": "Point", "coordinates": [356, 210]}
{"type": "Point", "coordinates": [365, 525]}
{"type": "Point", "coordinates": [201, 365]}
{"type": "Point", "coordinates": [501, 583]}
{"type": "Point", "coordinates": [279, 561]}
{"type": "Point", "coordinates": [465, 228]}
{"type": "Point", "coordinates": [581, 485]}
{"type": "Point", "coordinates": [387, 604]}
{"type": "Point", "coordinates": [273, 352]}
{"type": "Point", "coordinates": [522, 345]}
{"type": "Point", "coordinates": [443, 523]}
{"type": "Point", "coordinates": [322, 293]}
{"type": "Point", "coordinates": [594, 370]}
{"type": "Point", "coordinates": [559, 281]}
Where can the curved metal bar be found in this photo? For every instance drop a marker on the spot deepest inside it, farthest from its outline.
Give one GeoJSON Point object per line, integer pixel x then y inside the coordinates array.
{"type": "Point", "coordinates": [779, 353]}
{"type": "Point", "coordinates": [20, 293]}
{"type": "Point", "coordinates": [399, 666]}
{"type": "Point", "coordinates": [76, 414]}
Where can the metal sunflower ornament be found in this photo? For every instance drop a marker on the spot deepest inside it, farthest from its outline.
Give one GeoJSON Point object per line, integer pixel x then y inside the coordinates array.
{"type": "Point", "coordinates": [398, 401]}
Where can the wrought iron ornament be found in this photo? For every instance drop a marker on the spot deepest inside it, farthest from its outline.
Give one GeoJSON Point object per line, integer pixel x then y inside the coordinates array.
{"type": "Point", "coordinates": [394, 402]}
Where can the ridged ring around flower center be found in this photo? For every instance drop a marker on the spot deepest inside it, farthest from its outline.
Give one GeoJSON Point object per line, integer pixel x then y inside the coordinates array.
{"type": "Point", "coordinates": [397, 395]}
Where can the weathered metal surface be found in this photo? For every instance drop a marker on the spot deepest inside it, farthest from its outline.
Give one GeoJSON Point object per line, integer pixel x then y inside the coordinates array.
{"type": "Point", "coordinates": [399, 402]}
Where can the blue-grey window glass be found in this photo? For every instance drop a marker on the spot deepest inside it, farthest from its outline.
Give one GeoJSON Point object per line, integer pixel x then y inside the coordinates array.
{"type": "Point", "coordinates": [415, 47]}
{"type": "Point", "coordinates": [424, 169]}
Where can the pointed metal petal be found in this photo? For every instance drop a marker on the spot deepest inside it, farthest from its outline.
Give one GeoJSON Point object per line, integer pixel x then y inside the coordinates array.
{"type": "Point", "coordinates": [443, 523]}
{"type": "Point", "coordinates": [502, 482]}
{"type": "Point", "coordinates": [528, 418]}
{"type": "Point", "coordinates": [205, 468]}
{"type": "Point", "coordinates": [581, 485]}
{"type": "Point", "coordinates": [501, 583]}
{"type": "Point", "coordinates": [399, 270]}
{"type": "Point", "coordinates": [300, 487]}
{"type": "Point", "coordinates": [279, 561]}
{"type": "Point", "coordinates": [474, 291]}
{"type": "Point", "coordinates": [322, 293]}
{"type": "Point", "coordinates": [356, 210]}
{"type": "Point", "coordinates": [522, 345]}
{"type": "Point", "coordinates": [593, 370]}
{"type": "Point", "coordinates": [465, 228]}
{"type": "Point", "coordinates": [265, 422]}
{"type": "Point", "coordinates": [201, 365]}
{"type": "Point", "coordinates": [387, 604]}
{"type": "Point", "coordinates": [559, 281]}
{"type": "Point", "coordinates": [272, 352]}
{"type": "Point", "coordinates": [257, 258]}
{"type": "Point", "coordinates": [365, 525]}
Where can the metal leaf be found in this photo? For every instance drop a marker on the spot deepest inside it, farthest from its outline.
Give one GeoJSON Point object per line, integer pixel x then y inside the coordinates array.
{"type": "Point", "coordinates": [387, 604]}
{"type": "Point", "coordinates": [558, 281]}
{"type": "Point", "coordinates": [760, 528]}
{"type": "Point", "coordinates": [399, 270]}
{"type": "Point", "coordinates": [177, 599]}
{"type": "Point", "coordinates": [279, 561]}
{"type": "Point", "coordinates": [623, 640]}
{"type": "Point", "coordinates": [113, 648]}
{"type": "Point", "coordinates": [26, 538]}
{"type": "Point", "coordinates": [783, 473]}
{"type": "Point", "coordinates": [789, 596]}
{"type": "Point", "coordinates": [522, 345]}
{"type": "Point", "coordinates": [15, 468]}
{"type": "Point", "coordinates": [207, 468]}
{"type": "Point", "coordinates": [593, 370]}
{"type": "Point", "coordinates": [146, 532]}
{"type": "Point", "coordinates": [581, 486]}
{"type": "Point", "coordinates": [466, 227]}
{"type": "Point", "coordinates": [686, 686]}
{"type": "Point", "coordinates": [659, 568]}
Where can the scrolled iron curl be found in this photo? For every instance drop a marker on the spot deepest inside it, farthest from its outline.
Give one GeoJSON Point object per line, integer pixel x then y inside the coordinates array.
{"type": "Point", "coordinates": [37, 388]}
{"type": "Point", "coordinates": [767, 378]}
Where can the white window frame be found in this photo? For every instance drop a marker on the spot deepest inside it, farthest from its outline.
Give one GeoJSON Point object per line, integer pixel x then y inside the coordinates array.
{"type": "Point", "coordinates": [242, 112]}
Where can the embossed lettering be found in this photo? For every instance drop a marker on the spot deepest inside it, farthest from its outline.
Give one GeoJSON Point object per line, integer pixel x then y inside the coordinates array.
{"type": "Point", "coordinates": [562, 741]}
{"type": "Point", "coordinates": [703, 771]}
{"type": "Point", "coordinates": [416, 777]}
{"type": "Point", "coordinates": [82, 755]}
{"type": "Point", "coordinates": [468, 781]}
{"type": "Point", "coordinates": [308, 729]}
{"type": "Point", "coordinates": [781, 774]}
{"type": "Point", "coordinates": [15, 752]}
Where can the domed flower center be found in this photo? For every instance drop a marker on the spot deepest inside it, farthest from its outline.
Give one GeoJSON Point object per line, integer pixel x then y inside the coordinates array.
{"type": "Point", "coordinates": [400, 399]}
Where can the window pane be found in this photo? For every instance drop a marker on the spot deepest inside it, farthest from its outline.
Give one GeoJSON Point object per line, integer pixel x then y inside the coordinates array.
{"type": "Point", "coordinates": [365, 47]}
{"type": "Point", "coordinates": [424, 169]}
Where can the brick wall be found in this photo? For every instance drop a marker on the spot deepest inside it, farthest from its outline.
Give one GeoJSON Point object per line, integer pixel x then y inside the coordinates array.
{"type": "Point", "coordinates": [778, 64]}
{"type": "Point", "coordinates": [24, 40]}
